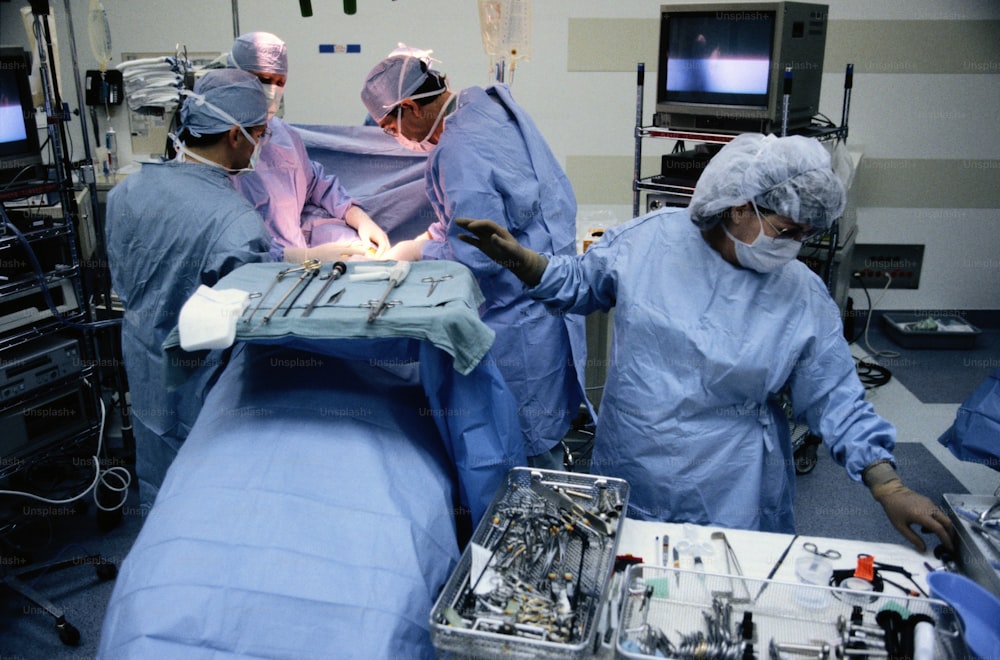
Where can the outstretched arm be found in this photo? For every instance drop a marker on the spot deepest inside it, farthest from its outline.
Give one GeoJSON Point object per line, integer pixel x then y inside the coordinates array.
{"type": "Point", "coordinates": [500, 246]}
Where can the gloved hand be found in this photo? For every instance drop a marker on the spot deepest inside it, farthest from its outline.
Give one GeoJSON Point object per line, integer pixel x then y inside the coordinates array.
{"type": "Point", "coordinates": [408, 250]}
{"type": "Point", "coordinates": [327, 252]}
{"type": "Point", "coordinates": [905, 507]}
{"type": "Point", "coordinates": [371, 233]}
{"type": "Point", "coordinates": [500, 246]}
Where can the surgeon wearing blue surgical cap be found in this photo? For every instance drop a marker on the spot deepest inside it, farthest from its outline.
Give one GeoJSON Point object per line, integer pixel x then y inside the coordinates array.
{"type": "Point", "coordinates": [174, 226]}
{"type": "Point", "coordinates": [714, 317]}
{"type": "Point", "coordinates": [308, 211]}
{"type": "Point", "coordinates": [488, 160]}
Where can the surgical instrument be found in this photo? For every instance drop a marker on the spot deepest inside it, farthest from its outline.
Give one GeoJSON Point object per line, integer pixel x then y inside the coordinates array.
{"type": "Point", "coordinates": [312, 275]}
{"type": "Point", "coordinates": [774, 569]}
{"type": "Point", "coordinates": [336, 270]}
{"type": "Point", "coordinates": [396, 277]}
{"type": "Point", "coordinates": [281, 273]}
{"type": "Point", "coordinates": [335, 297]}
{"type": "Point", "coordinates": [809, 546]}
{"type": "Point", "coordinates": [434, 281]}
{"type": "Point", "coordinates": [310, 268]}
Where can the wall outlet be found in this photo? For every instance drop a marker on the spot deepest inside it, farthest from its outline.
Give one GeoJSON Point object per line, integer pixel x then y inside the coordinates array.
{"type": "Point", "coordinates": [874, 263]}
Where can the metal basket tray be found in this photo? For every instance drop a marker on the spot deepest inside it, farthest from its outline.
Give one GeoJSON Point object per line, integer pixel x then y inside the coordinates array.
{"type": "Point", "coordinates": [670, 613]}
{"type": "Point", "coordinates": [544, 553]}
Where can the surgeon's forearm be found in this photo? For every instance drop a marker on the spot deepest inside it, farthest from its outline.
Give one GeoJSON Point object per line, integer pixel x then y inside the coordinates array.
{"type": "Point", "coordinates": [356, 216]}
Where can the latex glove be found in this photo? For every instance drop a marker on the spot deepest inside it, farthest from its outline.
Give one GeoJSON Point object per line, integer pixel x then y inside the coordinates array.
{"type": "Point", "coordinates": [500, 246]}
{"type": "Point", "coordinates": [410, 250]}
{"type": "Point", "coordinates": [327, 252]}
{"type": "Point", "coordinates": [905, 507]}
{"type": "Point", "coordinates": [368, 231]}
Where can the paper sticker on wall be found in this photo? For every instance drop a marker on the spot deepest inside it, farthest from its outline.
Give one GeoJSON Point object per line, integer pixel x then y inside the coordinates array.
{"type": "Point", "coordinates": [340, 48]}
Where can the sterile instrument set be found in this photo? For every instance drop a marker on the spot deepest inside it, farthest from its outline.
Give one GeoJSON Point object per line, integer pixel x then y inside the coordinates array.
{"type": "Point", "coordinates": [535, 571]}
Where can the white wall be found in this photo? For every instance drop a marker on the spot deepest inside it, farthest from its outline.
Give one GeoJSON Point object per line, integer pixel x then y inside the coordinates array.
{"type": "Point", "coordinates": [591, 114]}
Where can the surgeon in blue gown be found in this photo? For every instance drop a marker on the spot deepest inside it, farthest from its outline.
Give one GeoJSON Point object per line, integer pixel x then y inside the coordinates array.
{"type": "Point", "coordinates": [308, 211]}
{"type": "Point", "coordinates": [489, 160]}
{"type": "Point", "coordinates": [714, 316]}
{"type": "Point", "coordinates": [172, 227]}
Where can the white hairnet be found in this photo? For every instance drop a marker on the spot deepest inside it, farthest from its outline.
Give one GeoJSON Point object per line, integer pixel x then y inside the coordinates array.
{"type": "Point", "coordinates": [259, 51]}
{"type": "Point", "coordinates": [222, 98]}
{"type": "Point", "coordinates": [394, 79]}
{"type": "Point", "coordinates": [791, 176]}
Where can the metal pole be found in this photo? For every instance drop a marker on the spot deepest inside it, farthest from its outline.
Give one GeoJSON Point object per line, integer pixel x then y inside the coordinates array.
{"type": "Point", "coordinates": [640, 81]}
{"type": "Point", "coordinates": [236, 19]}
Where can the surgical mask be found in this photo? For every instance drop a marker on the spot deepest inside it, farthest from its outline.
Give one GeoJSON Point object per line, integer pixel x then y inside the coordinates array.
{"type": "Point", "coordinates": [273, 94]}
{"type": "Point", "coordinates": [765, 254]}
{"type": "Point", "coordinates": [425, 145]}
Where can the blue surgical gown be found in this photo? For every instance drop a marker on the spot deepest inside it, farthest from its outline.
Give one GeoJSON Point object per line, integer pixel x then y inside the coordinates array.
{"type": "Point", "coordinates": [170, 228]}
{"type": "Point", "coordinates": [291, 192]}
{"type": "Point", "coordinates": [492, 162]}
{"type": "Point", "coordinates": [700, 349]}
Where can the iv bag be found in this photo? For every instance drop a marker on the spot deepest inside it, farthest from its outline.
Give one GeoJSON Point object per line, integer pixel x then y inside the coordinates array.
{"type": "Point", "coordinates": [100, 34]}
{"type": "Point", "coordinates": [506, 31]}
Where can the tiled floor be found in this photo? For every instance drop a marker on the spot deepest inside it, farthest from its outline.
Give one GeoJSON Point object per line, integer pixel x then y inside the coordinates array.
{"type": "Point", "coordinates": [924, 423]}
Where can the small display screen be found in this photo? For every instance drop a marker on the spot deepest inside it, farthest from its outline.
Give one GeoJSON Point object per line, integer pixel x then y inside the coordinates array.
{"type": "Point", "coordinates": [718, 57]}
{"type": "Point", "coordinates": [12, 125]}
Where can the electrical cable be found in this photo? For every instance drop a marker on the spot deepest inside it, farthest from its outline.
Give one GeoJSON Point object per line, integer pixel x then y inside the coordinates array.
{"type": "Point", "coordinates": [118, 472]}
{"type": "Point", "coordinates": [46, 293]}
{"type": "Point", "coordinates": [872, 374]}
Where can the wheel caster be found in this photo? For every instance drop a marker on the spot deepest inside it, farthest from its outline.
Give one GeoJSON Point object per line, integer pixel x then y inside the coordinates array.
{"type": "Point", "coordinates": [68, 634]}
{"type": "Point", "coordinates": [106, 570]}
{"type": "Point", "coordinates": [805, 457]}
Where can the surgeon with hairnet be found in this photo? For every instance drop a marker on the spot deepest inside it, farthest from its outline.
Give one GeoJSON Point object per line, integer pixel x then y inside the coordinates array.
{"type": "Point", "coordinates": [489, 160]}
{"type": "Point", "coordinates": [309, 213]}
{"type": "Point", "coordinates": [714, 316]}
{"type": "Point", "coordinates": [172, 227]}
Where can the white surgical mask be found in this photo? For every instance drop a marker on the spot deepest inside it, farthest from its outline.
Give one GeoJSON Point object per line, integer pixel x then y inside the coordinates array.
{"type": "Point", "coordinates": [274, 94]}
{"type": "Point", "coordinates": [765, 254]}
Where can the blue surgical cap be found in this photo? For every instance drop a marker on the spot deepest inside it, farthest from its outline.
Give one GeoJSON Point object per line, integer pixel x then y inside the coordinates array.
{"type": "Point", "coordinates": [259, 51]}
{"type": "Point", "coordinates": [395, 79]}
{"type": "Point", "coordinates": [222, 92]}
{"type": "Point", "coordinates": [792, 176]}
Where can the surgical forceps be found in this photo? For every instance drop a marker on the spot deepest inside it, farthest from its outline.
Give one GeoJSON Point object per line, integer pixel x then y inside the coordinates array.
{"type": "Point", "coordinates": [310, 263]}
{"type": "Point", "coordinates": [809, 546]}
{"type": "Point", "coordinates": [434, 281]}
{"type": "Point", "coordinates": [310, 269]}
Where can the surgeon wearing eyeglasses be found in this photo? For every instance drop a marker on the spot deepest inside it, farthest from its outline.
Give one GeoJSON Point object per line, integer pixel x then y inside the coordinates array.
{"type": "Point", "coordinates": [714, 317]}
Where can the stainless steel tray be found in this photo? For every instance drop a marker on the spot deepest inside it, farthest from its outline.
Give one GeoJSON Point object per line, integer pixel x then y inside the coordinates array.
{"type": "Point", "coordinates": [531, 581]}
{"type": "Point", "coordinates": [978, 553]}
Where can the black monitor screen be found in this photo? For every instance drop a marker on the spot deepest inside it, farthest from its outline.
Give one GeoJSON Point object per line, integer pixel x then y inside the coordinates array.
{"type": "Point", "coordinates": [719, 57]}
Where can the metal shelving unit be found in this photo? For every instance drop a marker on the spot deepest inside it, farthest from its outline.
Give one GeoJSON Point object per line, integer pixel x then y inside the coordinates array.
{"type": "Point", "coordinates": [820, 252]}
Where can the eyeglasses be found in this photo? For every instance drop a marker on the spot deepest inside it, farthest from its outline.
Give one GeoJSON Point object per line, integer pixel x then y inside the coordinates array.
{"type": "Point", "coordinates": [396, 114]}
{"type": "Point", "coordinates": [794, 233]}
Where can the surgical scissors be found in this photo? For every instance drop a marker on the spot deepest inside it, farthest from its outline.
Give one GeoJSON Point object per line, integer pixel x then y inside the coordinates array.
{"type": "Point", "coordinates": [829, 554]}
{"type": "Point", "coordinates": [434, 281]}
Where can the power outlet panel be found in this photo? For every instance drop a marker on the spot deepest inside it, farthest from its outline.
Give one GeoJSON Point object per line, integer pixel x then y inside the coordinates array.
{"type": "Point", "coordinates": [876, 262]}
